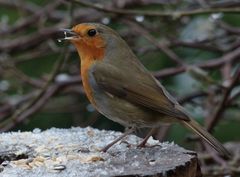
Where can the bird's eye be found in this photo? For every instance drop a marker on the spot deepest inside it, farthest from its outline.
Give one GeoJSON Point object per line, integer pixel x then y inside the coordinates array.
{"type": "Point", "coordinates": [92, 32]}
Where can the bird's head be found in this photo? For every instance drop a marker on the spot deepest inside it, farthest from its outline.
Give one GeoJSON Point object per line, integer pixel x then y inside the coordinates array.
{"type": "Point", "coordinates": [93, 40]}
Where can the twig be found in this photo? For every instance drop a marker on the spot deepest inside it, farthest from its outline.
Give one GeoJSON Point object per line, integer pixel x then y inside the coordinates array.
{"type": "Point", "coordinates": [9, 107]}
{"type": "Point", "coordinates": [28, 110]}
{"type": "Point", "coordinates": [30, 8]}
{"type": "Point", "coordinates": [197, 45]}
{"type": "Point", "coordinates": [215, 156]}
{"type": "Point", "coordinates": [66, 87]}
{"type": "Point", "coordinates": [19, 74]}
{"type": "Point", "coordinates": [191, 96]}
{"type": "Point", "coordinates": [233, 97]}
{"type": "Point", "coordinates": [37, 102]}
{"type": "Point", "coordinates": [230, 3]}
{"type": "Point", "coordinates": [174, 14]}
{"type": "Point", "coordinates": [29, 41]}
{"type": "Point", "coordinates": [231, 57]}
{"type": "Point", "coordinates": [222, 105]}
{"type": "Point", "coordinates": [230, 29]}
{"type": "Point", "coordinates": [22, 24]}
{"type": "Point", "coordinates": [151, 39]}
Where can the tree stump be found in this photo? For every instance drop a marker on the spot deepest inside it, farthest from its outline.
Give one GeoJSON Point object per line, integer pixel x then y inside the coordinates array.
{"type": "Point", "coordinates": [75, 152]}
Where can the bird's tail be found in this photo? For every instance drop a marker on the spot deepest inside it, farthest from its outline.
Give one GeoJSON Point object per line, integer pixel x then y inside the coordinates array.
{"type": "Point", "coordinates": [193, 125]}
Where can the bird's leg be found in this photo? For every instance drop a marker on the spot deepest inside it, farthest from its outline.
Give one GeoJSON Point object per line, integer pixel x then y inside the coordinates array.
{"type": "Point", "coordinates": [129, 131]}
{"type": "Point", "coordinates": [144, 141]}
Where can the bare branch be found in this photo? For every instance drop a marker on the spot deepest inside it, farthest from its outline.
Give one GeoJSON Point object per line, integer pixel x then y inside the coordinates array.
{"type": "Point", "coordinates": [230, 57]}
{"type": "Point", "coordinates": [174, 14]}
{"type": "Point", "coordinates": [151, 39]}
{"type": "Point", "coordinates": [222, 105]}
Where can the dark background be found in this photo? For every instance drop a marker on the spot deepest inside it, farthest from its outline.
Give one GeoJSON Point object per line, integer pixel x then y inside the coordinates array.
{"type": "Point", "coordinates": [192, 47]}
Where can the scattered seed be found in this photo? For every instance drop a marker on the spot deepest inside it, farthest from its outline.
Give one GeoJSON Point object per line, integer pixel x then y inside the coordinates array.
{"type": "Point", "coordinates": [46, 155]}
{"type": "Point", "coordinates": [5, 163]}
{"type": "Point", "coordinates": [152, 162]}
{"type": "Point", "coordinates": [40, 159]}
{"type": "Point", "coordinates": [25, 166]}
{"type": "Point", "coordinates": [59, 167]}
{"type": "Point", "coordinates": [94, 159]}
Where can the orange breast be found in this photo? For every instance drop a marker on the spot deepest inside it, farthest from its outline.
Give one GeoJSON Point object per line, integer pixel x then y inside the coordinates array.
{"type": "Point", "coordinates": [90, 50]}
{"type": "Point", "coordinates": [85, 80]}
{"type": "Point", "coordinates": [89, 55]}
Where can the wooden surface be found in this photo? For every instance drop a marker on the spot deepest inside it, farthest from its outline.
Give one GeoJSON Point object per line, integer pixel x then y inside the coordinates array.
{"type": "Point", "coordinates": [75, 152]}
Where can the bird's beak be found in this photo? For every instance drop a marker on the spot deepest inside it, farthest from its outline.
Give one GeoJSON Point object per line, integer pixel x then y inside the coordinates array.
{"type": "Point", "coordinates": [68, 35]}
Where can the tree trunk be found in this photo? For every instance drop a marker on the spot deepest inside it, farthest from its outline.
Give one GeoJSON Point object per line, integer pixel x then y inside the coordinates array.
{"type": "Point", "coordinates": [75, 152]}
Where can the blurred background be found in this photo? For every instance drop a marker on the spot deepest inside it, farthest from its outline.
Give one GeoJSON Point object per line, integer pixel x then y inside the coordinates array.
{"type": "Point", "coordinates": [191, 46]}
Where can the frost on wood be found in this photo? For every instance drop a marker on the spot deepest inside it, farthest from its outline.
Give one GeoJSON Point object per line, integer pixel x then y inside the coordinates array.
{"type": "Point", "coordinates": [75, 152]}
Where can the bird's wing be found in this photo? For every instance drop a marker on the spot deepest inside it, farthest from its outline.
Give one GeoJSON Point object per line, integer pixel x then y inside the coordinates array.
{"type": "Point", "coordinates": [141, 89]}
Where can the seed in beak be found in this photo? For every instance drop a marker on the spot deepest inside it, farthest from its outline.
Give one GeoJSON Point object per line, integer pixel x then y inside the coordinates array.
{"type": "Point", "coordinates": [67, 32]}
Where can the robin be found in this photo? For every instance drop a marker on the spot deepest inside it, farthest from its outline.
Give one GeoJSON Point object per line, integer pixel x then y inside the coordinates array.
{"type": "Point", "coordinates": [122, 89]}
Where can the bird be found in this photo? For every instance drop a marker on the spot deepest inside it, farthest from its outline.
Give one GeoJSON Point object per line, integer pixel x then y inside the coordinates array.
{"type": "Point", "coordinates": [119, 86]}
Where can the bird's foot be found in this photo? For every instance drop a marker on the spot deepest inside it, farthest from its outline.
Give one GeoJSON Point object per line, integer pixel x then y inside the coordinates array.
{"type": "Point", "coordinates": [142, 144]}
{"type": "Point", "coordinates": [105, 149]}
{"type": "Point", "coordinates": [147, 146]}
{"type": "Point", "coordinates": [144, 141]}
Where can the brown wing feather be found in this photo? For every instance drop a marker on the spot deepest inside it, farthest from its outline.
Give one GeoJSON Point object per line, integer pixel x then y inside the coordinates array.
{"type": "Point", "coordinates": [138, 89]}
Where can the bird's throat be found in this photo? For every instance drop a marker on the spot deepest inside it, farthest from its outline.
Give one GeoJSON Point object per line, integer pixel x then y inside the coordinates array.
{"type": "Point", "coordinates": [89, 52]}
